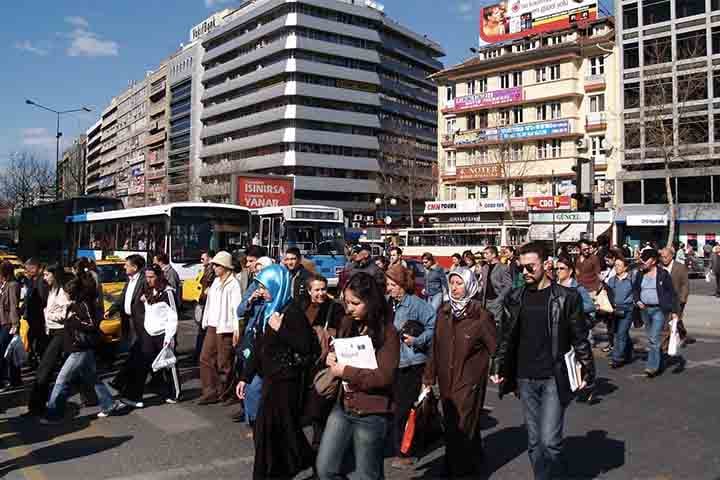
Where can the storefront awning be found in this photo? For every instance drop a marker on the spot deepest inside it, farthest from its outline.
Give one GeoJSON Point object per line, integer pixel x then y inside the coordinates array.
{"type": "Point", "coordinates": [565, 233]}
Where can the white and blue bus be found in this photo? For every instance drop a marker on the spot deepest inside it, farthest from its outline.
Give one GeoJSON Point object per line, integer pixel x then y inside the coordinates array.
{"type": "Point", "coordinates": [182, 230]}
{"type": "Point", "coordinates": [319, 233]}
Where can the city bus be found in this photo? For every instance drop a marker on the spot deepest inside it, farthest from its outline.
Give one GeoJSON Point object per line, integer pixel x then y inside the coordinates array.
{"type": "Point", "coordinates": [444, 241]}
{"type": "Point", "coordinates": [43, 228]}
{"type": "Point", "coordinates": [319, 233]}
{"type": "Point", "coordinates": [182, 230]}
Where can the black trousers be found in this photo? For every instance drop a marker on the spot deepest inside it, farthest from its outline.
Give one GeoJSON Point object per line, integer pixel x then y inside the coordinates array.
{"type": "Point", "coordinates": [52, 356]}
{"type": "Point", "coordinates": [464, 454]}
{"type": "Point", "coordinates": [142, 355]}
{"type": "Point", "coordinates": [408, 382]}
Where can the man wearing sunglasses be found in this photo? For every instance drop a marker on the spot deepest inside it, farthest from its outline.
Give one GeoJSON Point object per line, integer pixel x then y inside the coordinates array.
{"type": "Point", "coordinates": [545, 320]}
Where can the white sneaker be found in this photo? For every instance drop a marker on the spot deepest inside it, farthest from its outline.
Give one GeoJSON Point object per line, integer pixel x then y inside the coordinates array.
{"type": "Point", "coordinates": [171, 401]}
{"type": "Point", "coordinates": [117, 406]}
{"type": "Point", "coordinates": [130, 403]}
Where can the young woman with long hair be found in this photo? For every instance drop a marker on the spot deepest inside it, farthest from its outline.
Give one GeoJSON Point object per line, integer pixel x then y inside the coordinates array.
{"type": "Point", "coordinates": [360, 418]}
{"type": "Point", "coordinates": [9, 323]}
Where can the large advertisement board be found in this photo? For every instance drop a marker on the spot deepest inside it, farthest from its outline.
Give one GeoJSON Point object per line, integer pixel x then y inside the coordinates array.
{"type": "Point", "coordinates": [514, 132]}
{"type": "Point", "coordinates": [511, 19]}
{"type": "Point", "coordinates": [488, 99]}
{"type": "Point", "coordinates": [260, 191]}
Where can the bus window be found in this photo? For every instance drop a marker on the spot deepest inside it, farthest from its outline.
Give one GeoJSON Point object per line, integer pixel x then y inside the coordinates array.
{"type": "Point", "coordinates": [123, 237]}
{"type": "Point", "coordinates": [265, 233]}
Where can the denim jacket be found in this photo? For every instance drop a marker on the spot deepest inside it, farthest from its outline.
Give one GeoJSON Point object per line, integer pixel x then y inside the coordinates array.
{"type": "Point", "coordinates": [435, 281]}
{"type": "Point", "coordinates": [414, 308]}
{"type": "Point", "coordinates": [588, 304]}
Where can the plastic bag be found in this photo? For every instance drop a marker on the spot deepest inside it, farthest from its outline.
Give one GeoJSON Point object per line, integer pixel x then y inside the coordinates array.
{"type": "Point", "coordinates": [674, 344]}
{"type": "Point", "coordinates": [424, 425]}
{"type": "Point", "coordinates": [15, 352]}
{"type": "Point", "coordinates": [165, 359]}
{"type": "Point", "coordinates": [709, 276]}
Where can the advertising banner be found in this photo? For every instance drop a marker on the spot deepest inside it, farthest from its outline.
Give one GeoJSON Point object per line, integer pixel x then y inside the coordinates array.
{"type": "Point", "coordinates": [488, 99]}
{"type": "Point", "coordinates": [547, 203]}
{"type": "Point", "coordinates": [479, 172]}
{"type": "Point", "coordinates": [451, 206]}
{"type": "Point", "coordinates": [511, 19]}
{"type": "Point", "coordinates": [259, 192]}
{"type": "Point", "coordinates": [514, 132]}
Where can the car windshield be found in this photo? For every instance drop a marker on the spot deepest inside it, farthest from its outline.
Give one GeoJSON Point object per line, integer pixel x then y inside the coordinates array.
{"type": "Point", "coordinates": [315, 238]}
{"type": "Point", "coordinates": [114, 273]}
{"type": "Point", "coordinates": [194, 230]}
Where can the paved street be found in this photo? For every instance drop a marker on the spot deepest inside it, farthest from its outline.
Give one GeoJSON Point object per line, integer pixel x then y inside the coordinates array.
{"type": "Point", "coordinates": [633, 428]}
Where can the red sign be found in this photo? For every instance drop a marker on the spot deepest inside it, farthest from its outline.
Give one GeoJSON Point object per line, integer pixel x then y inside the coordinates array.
{"type": "Point", "coordinates": [259, 192]}
{"type": "Point", "coordinates": [547, 203]}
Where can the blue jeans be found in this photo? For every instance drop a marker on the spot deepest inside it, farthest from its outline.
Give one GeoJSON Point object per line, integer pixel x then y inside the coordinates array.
{"type": "Point", "coordinates": [82, 365]}
{"type": "Point", "coordinates": [253, 396]}
{"type": "Point", "coordinates": [654, 319]}
{"type": "Point", "coordinates": [8, 371]}
{"type": "Point", "coordinates": [544, 418]}
{"type": "Point", "coordinates": [622, 350]}
{"type": "Point", "coordinates": [361, 436]}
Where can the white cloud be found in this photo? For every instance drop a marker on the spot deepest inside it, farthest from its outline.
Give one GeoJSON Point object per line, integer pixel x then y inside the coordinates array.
{"type": "Point", "coordinates": [85, 43]}
{"type": "Point", "coordinates": [78, 22]}
{"type": "Point", "coordinates": [37, 137]}
{"type": "Point", "coordinates": [217, 3]}
{"type": "Point", "coordinates": [27, 46]}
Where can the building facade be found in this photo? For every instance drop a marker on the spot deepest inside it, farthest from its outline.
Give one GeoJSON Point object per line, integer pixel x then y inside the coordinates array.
{"type": "Point", "coordinates": [670, 81]}
{"type": "Point", "coordinates": [309, 89]}
{"type": "Point", "coordinates": [513, 122]}
{"type": "Point", "coordinates": [72, 167]}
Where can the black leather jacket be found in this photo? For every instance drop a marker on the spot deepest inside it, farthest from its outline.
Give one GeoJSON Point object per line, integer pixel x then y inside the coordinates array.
{"type": "Point", "coordinates": [568, 328]}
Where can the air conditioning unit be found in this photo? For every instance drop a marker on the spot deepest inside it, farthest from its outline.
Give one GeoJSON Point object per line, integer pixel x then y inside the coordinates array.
{"type": "Point", "coordinates": [369, 218]}
{"type": "Point", "coordinates": [357, 217]}
{"type": "Point", "coordinates": [356, 224]}
{"type": "Point", "coordinates": [581, 143]}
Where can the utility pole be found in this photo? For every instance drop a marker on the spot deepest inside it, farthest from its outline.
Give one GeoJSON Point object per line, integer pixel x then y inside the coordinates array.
{"type": "Point", "coordinates": [554, 205]}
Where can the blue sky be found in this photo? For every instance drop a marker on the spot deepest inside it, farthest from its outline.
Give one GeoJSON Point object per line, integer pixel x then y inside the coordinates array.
{"type": "Point", "coordinates": [71, 53]}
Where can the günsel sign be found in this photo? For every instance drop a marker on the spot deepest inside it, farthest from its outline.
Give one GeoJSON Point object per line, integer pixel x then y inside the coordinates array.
{"type": "Point", "coordinates": [647, 220]}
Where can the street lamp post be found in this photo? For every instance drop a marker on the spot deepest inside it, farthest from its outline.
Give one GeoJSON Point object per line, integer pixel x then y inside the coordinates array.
{"type": "Point", "coordinates": [383, 201]}
{"type": "Point", "coordinates": [58, 134]}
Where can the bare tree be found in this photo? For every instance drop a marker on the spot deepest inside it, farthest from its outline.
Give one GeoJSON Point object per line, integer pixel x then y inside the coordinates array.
{"type": "Point", "coordinates": [26, 181]}
{"type": "Point", "coordinates": [672, 127]}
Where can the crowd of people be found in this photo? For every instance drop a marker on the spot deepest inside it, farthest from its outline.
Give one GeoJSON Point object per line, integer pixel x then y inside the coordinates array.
{"type": "Point", "coordinates": [265, 334]}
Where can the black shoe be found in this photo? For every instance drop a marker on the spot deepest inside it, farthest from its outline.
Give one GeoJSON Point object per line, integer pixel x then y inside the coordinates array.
{"type": "Point", "coordinates": [615, 365]}
{"type": "Point", "coordinates": [690, 340]}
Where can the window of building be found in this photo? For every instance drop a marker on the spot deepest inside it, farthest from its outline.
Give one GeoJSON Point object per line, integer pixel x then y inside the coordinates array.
{"type": "Point", "coordinates": [555, 110]}
{"type": "Point", "coordinates": [692, 87]}
{"type": "Point", "coordinates": [482, 85]}
{"type": "Point", "coordinates": [597, 103]}
{"type": "Point", "coordinates": [632, 192]}
{"type": "Point", "coordinates": [693, 130]}
{"type": "Point", "coordinates": [518, 190]}
{"type": "Point", "coordinates": [716, 188]}
{"type": "Point", "coordinates": [597, 66]}
{"type": "Point", "coordinates": [505, 80]}
{"type": "Point", "coordinates": [631, 95]}
{"type": "Point", "coordinates": [631, 55]}
{"type": "Point", "coordinates": [541, 112]}
{"type": "Point", "coordinates": [450, 160]}
{"type": "Point", "coordinates": [516, 152]}
{"type": "Point", "coordinates": [630, 16]}
{"type": "Point", "coordinates": [691, 45]}
{"type": "Point", "coordinates": [540, 74]}
{"type": "Point", "coordinates": [656, 192]}
{"type": "Point", "coordinates": [482, 120]}
{"type": "Point", "coordinates": [450, 92]}
{"type": "Point", "coordinates": [660, 133]}
{"type": "Point", "coordinates": [541, 149]}
{"type": "Point", "coordinates": [482, 155]}
{"type": "Point", "coordinates": [517, 79]}
{"type": "Point", "coordinates": [471, 122]}
{"type": "Point", "coordinates": [632, 136]}
{"type": "Point", "coordinates": [716, 126]}
{"type": "Point", "coordinates": [694, 189]}
{"type": "Point", "coordinates": [471, 88]}
{"type": "Point", "coordinates": [658, 91]}
{"type": "Point", "coordinates": [657, 50]}
{"type": "Point", "coordinates": [517, 114]}
{"type": "Point", "coordinates": [450, 192]}
{"type": "Point", "coordinates": [685, 8]}
{"type": "Point", "coordinates": [597, 148]}
{"type": "Point", "coordinates": [655, 11]}
{"type": "Point", "coordinates": [554, 72]}
{"type": "Point", "coordinates": [556, 147]}
{"type": "Point", "coordinates": [504, 118]}
{"type": "Point", "coordinates": [450, 126]}
{"type": "Point", "coordinates": [472, 193]}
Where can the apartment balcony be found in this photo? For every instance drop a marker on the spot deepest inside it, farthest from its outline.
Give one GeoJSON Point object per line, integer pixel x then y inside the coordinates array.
{"type": "Point", "coordinates": [178, 169]}
{"type": "Point", "coordinates": [215, 189]}
{"type": "Point", "coordinates": [155, 173]}
{"type": "Point", "coordinates": [157, 108]}
{"type": "Point", "coordinates": [156, 188]}
{"type": "Point", "coordinates": [594, 83]}
{"type": "Point", "coordinates": [179, 186]}
{"type": "Point", "coordinates": [447, 140]}
{"type": "Point", "coordinates": [596, 121]}
{"type": "Point", "coordinates": [155, 158]}
{"type": "Point", "coordinates": [156, 138]}
{"type": "Point", "coordinates": [156, 90]}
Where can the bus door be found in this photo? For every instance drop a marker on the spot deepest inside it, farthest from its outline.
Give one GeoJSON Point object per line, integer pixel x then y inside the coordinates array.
{"type": "Point", "coordinates": [271, 233]}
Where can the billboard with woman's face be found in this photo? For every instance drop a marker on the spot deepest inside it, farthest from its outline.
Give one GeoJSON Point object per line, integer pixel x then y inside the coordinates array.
{"type": "Point", "coordinates": [513, 19]}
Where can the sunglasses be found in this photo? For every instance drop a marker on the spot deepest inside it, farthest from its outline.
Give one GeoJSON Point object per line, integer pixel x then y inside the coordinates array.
{"type": "Point", "coordinates": [529, 268]}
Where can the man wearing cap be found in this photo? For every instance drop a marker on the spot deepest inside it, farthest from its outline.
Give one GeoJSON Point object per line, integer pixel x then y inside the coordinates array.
{"type": "Point", "coordinates": [361, 263]}
{"type": "Point", "coordinates": [223, 329]}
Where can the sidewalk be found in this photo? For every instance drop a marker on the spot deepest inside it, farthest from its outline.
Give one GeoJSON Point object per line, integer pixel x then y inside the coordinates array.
{"type": "Point", "coordinates": [702, 315]}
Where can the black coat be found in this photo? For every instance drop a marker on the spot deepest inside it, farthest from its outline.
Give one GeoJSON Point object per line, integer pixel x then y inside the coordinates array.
{"type": "Point", "coordinates": [137, 309]}
{"type": "Point", "coordinates": [35, 303]}
{"type": "Point", "coordinates": [567, 327]}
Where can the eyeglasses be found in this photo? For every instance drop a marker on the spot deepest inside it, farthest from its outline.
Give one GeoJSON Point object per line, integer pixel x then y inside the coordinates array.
{"type": "Point", "coordinates": [529, 268]}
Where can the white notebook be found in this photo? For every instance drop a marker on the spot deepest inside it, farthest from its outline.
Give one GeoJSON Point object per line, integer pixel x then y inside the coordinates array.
{"type": "Point", "coordinates": [574, 370]}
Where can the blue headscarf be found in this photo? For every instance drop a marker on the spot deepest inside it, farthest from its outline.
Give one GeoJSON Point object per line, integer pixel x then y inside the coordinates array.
{"type": "Point", "coordinates": [276, 279]}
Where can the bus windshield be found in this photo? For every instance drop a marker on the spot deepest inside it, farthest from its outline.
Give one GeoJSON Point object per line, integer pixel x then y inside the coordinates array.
{"type": "Point", "coordinates": [194, 230]}
{"type": "Point", "coordinates": [316, 238]}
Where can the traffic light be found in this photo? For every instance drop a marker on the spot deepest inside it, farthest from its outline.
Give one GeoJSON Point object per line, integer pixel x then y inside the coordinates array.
{"type": "Point", "coordinates": [584, 202]}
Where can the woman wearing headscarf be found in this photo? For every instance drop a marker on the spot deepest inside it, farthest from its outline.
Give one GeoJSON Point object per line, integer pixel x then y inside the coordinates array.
{"type": "Point", "coordinates": [464, 343]}
{"type": "Point", "coordinates": [282, 354]}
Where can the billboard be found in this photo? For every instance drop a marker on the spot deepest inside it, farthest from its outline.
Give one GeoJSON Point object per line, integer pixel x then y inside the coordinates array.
{"type": "Point", "coordinates": [488, 99]}
{"type": "Point", "coordinates": [254, 191]}
{"type": "Point", "coordinates": [514, 132]}
{"type": "Point", "coordinates": [511, 19]}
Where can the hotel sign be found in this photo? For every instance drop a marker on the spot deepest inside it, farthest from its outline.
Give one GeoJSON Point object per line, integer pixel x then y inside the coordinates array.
{"type": "Point", "coordinates": [479, 172]}
{"type": "Point", "coordinates": [488, 99]}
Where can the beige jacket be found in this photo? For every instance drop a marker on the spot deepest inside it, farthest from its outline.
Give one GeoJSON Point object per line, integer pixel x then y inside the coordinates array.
{"type": "Point", "coordinates": [223, 300]}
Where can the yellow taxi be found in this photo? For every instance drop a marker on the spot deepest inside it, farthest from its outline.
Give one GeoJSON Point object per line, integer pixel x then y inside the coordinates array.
{"type": "Point", "coordinates": [111, 273]}
{"type": "Point", "coordinates": [191, 288]}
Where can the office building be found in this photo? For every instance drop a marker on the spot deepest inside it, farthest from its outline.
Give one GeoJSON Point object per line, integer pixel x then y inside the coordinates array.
{"type": "Point", "coordinates": [71, 169]}
{"type": "Point", "coordinates": [671, 121]}
{"type": "Point", "coordinates": [513, 121]}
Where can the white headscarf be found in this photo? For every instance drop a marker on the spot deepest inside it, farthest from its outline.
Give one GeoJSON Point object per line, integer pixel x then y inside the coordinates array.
{"type": "Point", "coordinates": [264, 262]}
{"type": "Point", "coordinates": [471, 289]}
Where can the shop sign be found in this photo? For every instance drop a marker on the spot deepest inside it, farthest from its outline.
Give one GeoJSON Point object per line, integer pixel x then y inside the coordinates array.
{"type": "Point", "coordinates": [518, 203]}
{"type": "Point", "coordinates": [646, 220]}
{"type": "Point", "coordinates": [479, 172]}
{"type": "Point", "coordinates": [546, 203]}
{"type": "Point", "coordinates": [494, 205]}
{"type": "Point", "coordinates": [451, 206]}
{"type": "Point", "coordinates": [465, 219]}
{"type": "Point", "coordinates": [488, 99]}
{"type": "Point", "coordinates": [570, 217]}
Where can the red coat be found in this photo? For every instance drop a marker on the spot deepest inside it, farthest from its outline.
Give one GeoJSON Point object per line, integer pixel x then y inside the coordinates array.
{"type": "Point", "coordinates": [460, 360]}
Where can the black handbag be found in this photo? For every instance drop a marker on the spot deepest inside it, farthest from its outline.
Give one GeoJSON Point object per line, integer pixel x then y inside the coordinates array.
{"type": "Point", "coordinates": [87, 337]}
{"type": "Point", "coordinates": [412, 328]}
{"type": "Point", "coordinates": [637, 319]}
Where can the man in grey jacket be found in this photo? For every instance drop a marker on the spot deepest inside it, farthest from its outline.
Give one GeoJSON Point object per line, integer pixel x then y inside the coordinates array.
{"type": "Point", "coordinates": [172, 277]}
{"type": "Point", "coordinates": [497, 284]}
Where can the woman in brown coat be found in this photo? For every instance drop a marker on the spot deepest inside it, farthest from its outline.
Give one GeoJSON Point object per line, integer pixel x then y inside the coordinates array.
{"type": "Point", "coordinates": [464, 343]}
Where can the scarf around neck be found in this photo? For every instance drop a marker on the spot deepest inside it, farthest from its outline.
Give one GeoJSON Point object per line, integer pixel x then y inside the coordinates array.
{"type": "Point", "coordinates": [471, 289]}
